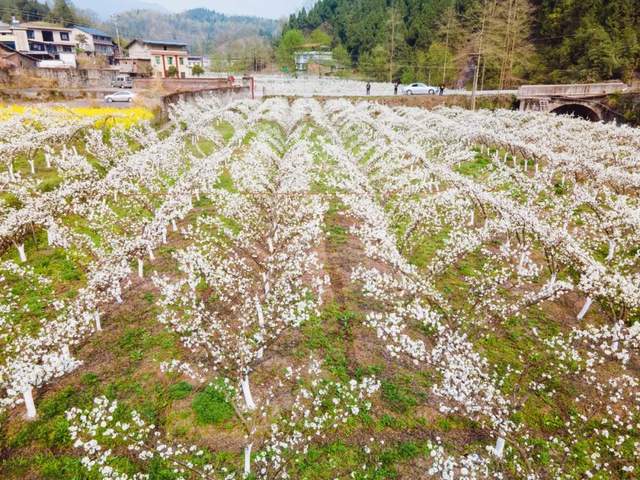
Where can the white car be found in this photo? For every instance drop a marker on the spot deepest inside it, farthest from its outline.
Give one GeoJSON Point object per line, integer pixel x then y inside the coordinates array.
{"type": "Point", "coordinates": [124, 96]}
{"type": "Point", "coordinates": [420, 89]}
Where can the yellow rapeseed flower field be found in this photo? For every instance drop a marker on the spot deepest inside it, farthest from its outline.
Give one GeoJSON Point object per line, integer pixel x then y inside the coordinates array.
{"type": "Point", "coordinates": [105, 116]}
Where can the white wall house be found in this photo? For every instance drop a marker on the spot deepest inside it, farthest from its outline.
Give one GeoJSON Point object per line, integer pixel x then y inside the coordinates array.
{"type": "Point", "coordinates": [93, 41]}
{"type": "Point", "coordinates": [163, 55]}
{"type": "Point", "coordinates": [41, 40]}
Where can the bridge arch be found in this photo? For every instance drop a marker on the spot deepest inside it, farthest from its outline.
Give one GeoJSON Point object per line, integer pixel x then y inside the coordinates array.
{"type": "Point", "coordinates": [578, 110]}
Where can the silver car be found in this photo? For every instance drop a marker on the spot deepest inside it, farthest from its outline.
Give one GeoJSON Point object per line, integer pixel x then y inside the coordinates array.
{"type": "Point", "coordinates": [123, 96]}
{"type": "Point", "coordinates": [420, 89]}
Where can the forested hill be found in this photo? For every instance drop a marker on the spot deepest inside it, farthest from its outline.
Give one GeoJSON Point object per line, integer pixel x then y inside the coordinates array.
{"type": "Point", "coordinates": [520, 40]}
{"type": "Point", "coordinates": [205, 30]}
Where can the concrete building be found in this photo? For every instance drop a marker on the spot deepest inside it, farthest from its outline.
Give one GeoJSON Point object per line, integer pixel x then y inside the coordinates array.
{"type": "Point", "coordinates": [321, 57]}
{"type": "Point", "coordinates": [41, 40]}
{"type": "Point", "coordinates": [163, 55]}
{"type": "Point", "coordinates": [93, 41]}
{"type": "Point", "coordinates": [194, 60]}
{"type": "Point", "coordinates": [134, 67]}
{"type": "Point", "coordinates": [47, 40]}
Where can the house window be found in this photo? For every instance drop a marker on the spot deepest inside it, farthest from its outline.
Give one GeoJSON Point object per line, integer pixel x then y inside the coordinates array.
{"type": "Point", "coordinates": [31, 34]}
{"type": "Point", "coordinates": [66, 48]}
{"type": "Point", "coordinates": [158, 60]}
{"type": "Point", "coordinates": [64, 36]}
{"type": "Point", "coordinates": [170, 60]}
{"type": "Point", "coordinates": [47, 36]}
{"type": "Point", "coordinates": [181, 61]}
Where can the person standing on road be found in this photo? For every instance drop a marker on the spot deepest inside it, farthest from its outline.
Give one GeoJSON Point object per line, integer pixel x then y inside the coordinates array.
{"type": "Point", "coordinates": [395, 88]}
{"type": "Point", "coordinates": [442, 89]}
{"type": "Point", "coordinates": [368, 88]}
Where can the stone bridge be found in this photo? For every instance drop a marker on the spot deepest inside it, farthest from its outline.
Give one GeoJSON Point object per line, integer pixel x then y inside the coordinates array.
{"type": "Point", "coordinates": [587, 100]}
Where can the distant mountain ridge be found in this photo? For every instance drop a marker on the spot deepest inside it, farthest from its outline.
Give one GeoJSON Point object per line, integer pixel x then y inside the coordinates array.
{"type": "Point", "coordinates": [203, 29]}
{"type": "Point", "coordinates": [106, 9]}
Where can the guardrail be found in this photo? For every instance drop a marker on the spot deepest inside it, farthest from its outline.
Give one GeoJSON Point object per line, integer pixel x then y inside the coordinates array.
{"type": "Point", "coordinates": [572, 90]}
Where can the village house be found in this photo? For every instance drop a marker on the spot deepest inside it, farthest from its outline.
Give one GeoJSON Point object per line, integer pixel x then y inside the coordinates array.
{"type": "Point", "coordinates": [40, 40]}
{"type": "Point", "coordinates": [12, 59]}
{"type": "Point", "coordinates": [163, 56]}
{"type": "Point", "coordinates": [46, 40]}
{"type": "Point", "coordinates": [93, 41]}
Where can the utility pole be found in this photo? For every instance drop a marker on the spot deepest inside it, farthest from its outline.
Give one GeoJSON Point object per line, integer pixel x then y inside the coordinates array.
{"type": "Point", "coordinates": [117, 34]}
{"type": "Point", "coordinates": [475, 80]}
{"type": "Point", "coordinates": [393, 38]}
{"type": "Point", "coordinates": [446, 45]}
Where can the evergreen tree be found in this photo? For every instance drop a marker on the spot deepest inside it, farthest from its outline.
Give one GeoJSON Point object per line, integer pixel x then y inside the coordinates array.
{"type": "Point", "coordinates": [62, 13]}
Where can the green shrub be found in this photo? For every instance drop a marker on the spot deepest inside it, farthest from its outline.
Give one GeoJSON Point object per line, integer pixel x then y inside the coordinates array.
{"type": "Point", "coordinates": [211, 407]}
{"type": "Point", "coordinates": [180, 390]}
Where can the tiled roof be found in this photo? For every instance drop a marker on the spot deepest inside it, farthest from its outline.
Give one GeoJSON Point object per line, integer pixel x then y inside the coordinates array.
{"type": "Point", "coordinates": [92, 31]}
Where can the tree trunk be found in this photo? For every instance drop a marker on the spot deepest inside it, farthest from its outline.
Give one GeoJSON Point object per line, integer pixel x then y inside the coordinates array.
{"type": "Point", "coordinates": [21, 253]}
{"type": "Point", "coordinates": [246, 393]}
{"type": "Point", "coordinates": [260, 314]}
{"type": "Point", "coordinates": [499, 448]}
{"type": "Point", "coordinates": [585, 308]}
{"type": "Point", "coordinates": [27, 395]}
{"type": "Point", "coordinates": [247, 460]}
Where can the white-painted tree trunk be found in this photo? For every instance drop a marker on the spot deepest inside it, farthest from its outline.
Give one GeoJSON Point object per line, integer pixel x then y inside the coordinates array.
{"type": "Point", "coordinates": [49, 236]}
{"type": "Point", "coordinates": [47, 159]}
{"type": "Point", "coordinates": [585, 308]}
{"type": "Point", "coordinates": [537, 168]}
{"type": "Point", "coordinates": [164, 235]}
{"type": "Point", "coordinates": [118, 297]}
{"type": "Point", "coordinates": [32, 166]}
{"type": "Point", "coordinates": [612, 249]}
{"type": "Point", "coordinates": [514, 162]}
{"type": "Point", "coordinates": [472, 218]}
{"type": "Point", "coordinates": [140, 268]}
{"type": "Point", "coordinates": [506, 156]}
{"type": "Point", "coordinates": [522, 258]}
{"type": "Point", "coordinates": [554, 276]}
{"type": "Point", "coordinates": [247, 460]}
{"type": "Point", "coordinates": [21, 253]}
{"type": "Point", "coordinates": [563, 179]}
{"type": "Point", "coordinates": [12, 177]}
{"type": "Point", "coordinates": [150, 250]}
{"type": "Point", "coordinates": [174, 227]}
{"type": "Point", "coordinates": [115, 196]}
{"type": "Point", "coordinates": [96, 318]}
{"type": "Point", "coordinates": [27, 395]}
{"type": "Point", "coordinates": [246, 393]}
{"type": "Point", "coordinates": [499, 448]}
{"type": "Point", "coordinates": [66, 353]}
{"type": "Point", "coordinates": [260, 314]}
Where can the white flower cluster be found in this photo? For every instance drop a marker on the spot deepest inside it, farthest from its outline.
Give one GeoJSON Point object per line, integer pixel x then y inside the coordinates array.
{"type": "Point", "coordinates": [106, 431]}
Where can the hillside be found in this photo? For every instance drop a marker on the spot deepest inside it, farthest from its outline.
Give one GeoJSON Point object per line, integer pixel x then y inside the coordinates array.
{"type": "Point", "coordinates": [305, 290]}
{"type": "Point", "coordinates": [205, 30]}
{"type": "Point", "coordinates": [520, 40]}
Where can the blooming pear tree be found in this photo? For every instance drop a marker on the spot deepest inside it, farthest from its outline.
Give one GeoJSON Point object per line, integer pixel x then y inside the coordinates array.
{"type": "Point", "coordinates": [490, 258]}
